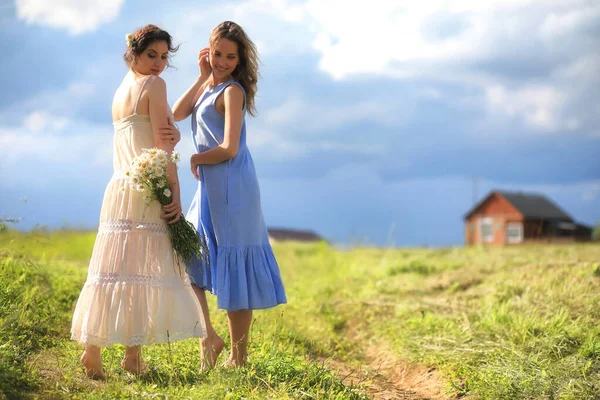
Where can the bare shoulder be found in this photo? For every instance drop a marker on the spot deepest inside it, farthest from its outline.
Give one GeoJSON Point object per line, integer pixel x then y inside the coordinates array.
{"type": "Point", "coordinates": [234, 90]}
{"type": "Point", "coordinates": [156, 84]}
{"type": "Point", "coordinates": [234, 94]}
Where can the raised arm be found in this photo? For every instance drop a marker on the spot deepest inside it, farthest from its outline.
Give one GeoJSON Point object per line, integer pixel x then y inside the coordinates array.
{"type": "Point", "coordinates": [159, 107]}
{"type": "Point", "coordinates": [234, 103]}
{"type": "Point", "coordinates": [185, 104]}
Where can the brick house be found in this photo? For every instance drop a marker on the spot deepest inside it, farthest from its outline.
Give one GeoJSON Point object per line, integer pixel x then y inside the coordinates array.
{"type": "Point", "coordinates": [512, 218]}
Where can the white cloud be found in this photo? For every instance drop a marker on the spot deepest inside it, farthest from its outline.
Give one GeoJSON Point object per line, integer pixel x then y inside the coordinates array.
{"type": "Point", "coordinates": [407, 38]}
{"type": "Point", "coordinates": [40, 120]}
{"type": "Point", "coordinates": [481, 46]}
{"type": "Point", "coordinates": [51, 108]}
{"type": "Point", "coordinates": [274, 146]}
{"type": "Point", "coordinates": [390, 37]}
{"type": "Point", "coordinates": [581, 71]}
{"type": "Point", "coordinates": [539, 106]}
{"type": "Point", "coordinates": [478, 44]}
{"type": "Point", "coordinates": [275, 26]}
{"type": "Point", "coordinates": [46, 137]}
{"type": "Point", "coordinates": [559, 23]}
{"type": "Point", "coordinates": [314, 117]}
{"type": "Point", "coordinates": [285, 10]}
{"type": "Point", "coordinates": [296, 128]}
{"type": "Point", "coordinates": [77, 16]}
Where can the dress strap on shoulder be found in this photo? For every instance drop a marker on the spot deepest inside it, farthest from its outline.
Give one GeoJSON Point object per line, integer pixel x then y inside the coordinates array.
{"type": "Point", "coordinates": [140, 94]}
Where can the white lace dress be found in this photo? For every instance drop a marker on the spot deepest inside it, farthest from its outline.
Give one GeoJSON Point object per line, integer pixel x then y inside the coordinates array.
{"type": "Point", "coordinates": [135, 293]}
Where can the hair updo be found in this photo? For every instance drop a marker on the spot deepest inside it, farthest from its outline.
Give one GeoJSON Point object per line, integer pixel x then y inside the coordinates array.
{"type": "Point", "coordinates": [144, 37]}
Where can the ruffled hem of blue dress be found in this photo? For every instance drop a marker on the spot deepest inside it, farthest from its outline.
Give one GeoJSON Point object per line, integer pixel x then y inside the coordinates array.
{"type": "Point", "coordinates": [242, 277]}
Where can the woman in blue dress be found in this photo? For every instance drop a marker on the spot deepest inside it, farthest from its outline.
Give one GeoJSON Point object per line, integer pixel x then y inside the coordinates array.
{"type": "Point", "coordinates": [241, 270]}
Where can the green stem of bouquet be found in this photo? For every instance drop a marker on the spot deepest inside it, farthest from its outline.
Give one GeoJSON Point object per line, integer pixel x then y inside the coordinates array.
{"type": "Point", "coordinates": [186, 241]}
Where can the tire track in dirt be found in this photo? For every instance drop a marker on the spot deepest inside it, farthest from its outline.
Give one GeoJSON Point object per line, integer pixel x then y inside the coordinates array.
{"type": "Point", "coordinates": [379, 371]}
{"type": "Point", "coordinates": [385, 378]}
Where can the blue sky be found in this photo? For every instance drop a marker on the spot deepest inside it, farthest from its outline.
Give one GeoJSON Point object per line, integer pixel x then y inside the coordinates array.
{"type": "Point", "coordinates": [380, 126]}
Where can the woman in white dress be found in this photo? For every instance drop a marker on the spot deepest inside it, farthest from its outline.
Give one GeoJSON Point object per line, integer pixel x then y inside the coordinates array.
{"type": "Point", "coordinates": [136, 292]}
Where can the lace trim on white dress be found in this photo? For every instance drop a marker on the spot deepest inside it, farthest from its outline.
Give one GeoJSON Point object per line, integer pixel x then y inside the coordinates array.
{"type": "Point", "coordinates": [126, 226]}
{"type": "Point", "coordinates": [151, 280]}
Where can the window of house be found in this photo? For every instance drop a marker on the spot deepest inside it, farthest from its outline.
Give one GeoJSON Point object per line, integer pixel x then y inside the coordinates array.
{"type": "Point", "coordinates": [514, 232]}
{"type": "Point", "coordinates": [487, 229]}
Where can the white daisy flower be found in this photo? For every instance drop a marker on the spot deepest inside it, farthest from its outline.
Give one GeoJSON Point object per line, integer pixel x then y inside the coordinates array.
{"type": "Point", "coordinates": [129, 40]}
{"type": "Point", "coordinates": [167, 193]}
{"type": "Point", "coordinates": [175, 157]}
{"type": "Point", "coordinates": [161, 183]}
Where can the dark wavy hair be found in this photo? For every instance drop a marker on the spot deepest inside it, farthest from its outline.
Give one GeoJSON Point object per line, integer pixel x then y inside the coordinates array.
{"type": "Point", "coordinates": [144, 37]}
{"type": "Point", "coordinates": [246, 73]}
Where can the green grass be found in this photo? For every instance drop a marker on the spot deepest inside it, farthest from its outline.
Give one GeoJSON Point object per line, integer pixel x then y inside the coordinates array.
{"type": "Point", "coordinates": [511, 323]}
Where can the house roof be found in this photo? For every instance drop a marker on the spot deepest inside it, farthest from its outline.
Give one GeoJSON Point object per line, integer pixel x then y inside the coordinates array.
{"type": "Point", "coordinates": [530, 205]}
{"type": "Point", "coordinates": [294, 234]}
{"type": "Point", "coordinates": [573, 226]}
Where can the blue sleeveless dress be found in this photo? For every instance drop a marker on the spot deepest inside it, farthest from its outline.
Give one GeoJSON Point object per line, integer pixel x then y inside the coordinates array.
{"type": "Point", "coordinates": [227, 212]}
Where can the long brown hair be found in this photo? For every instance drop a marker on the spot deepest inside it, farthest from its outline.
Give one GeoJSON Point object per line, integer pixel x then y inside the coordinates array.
{"type": "Point", "coordinates": [246, 73]}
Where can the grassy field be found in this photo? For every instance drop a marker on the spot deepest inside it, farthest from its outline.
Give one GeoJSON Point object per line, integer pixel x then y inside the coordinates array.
{"type": "Point", "coordinates": [513, 323]}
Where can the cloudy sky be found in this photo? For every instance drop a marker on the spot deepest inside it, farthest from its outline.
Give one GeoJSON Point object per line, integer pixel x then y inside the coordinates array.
{"type": "Point", "coordinates": [379, 121]}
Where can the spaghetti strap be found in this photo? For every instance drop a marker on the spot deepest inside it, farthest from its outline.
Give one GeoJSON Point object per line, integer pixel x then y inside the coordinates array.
{"type": "Point", "coordinates": [140, 94]}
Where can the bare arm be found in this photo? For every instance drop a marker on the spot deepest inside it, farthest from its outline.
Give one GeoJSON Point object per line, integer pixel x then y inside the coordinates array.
{"type": "Point", "coordinates": [157, 93]}
{"type": "Point", "coordinates": [185, 104]}
{"type": "Point", "coordinates": [234, 102]}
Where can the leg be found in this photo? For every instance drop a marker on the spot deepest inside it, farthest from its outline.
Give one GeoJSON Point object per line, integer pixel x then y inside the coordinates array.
{"type": "Point", "coordinates": [212, 345]}
{"type": "Point", "coordinates": [91, 359]}
{"type": "Point", "coordinates": [132, 361]}
{"type": "Point", "coordinates": [239, 328]}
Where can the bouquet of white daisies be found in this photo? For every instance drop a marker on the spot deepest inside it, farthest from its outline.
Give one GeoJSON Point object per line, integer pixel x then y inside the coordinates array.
{"type": "Point", "coordinates": [148, 174]}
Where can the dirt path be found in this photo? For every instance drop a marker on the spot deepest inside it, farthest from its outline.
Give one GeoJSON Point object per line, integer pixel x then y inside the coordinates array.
{"type": "Point", "coordinates": [383, 375]}
{"type": "Point", "coordinates": [387, 379]}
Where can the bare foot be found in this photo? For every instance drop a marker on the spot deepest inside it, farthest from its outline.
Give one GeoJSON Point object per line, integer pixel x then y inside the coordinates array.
{"type": "Point", "coordinates": [210, 348]}
{"type": "Point", "coordinates": [92, 366]}
{"type": "Point", "coordinates": [232, 363]}
{"type": "Point", "coordinates": [136, 365]}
